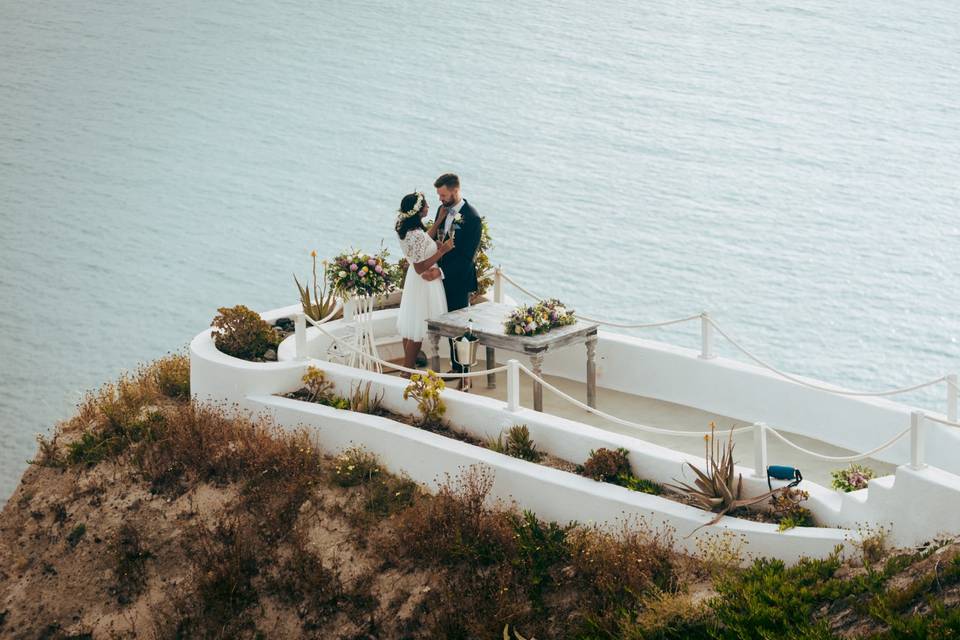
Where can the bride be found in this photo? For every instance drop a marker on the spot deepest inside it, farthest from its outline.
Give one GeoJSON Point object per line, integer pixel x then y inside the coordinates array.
{"type": "Point", "coordinates": [423, 295]}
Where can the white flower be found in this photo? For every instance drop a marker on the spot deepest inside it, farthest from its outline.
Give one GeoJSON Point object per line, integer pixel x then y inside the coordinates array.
{"type": "Point", "coordinates": [458, 219]}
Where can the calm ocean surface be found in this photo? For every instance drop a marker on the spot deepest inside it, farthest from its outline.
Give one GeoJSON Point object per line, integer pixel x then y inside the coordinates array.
{"type": "Point", "coordinates": [790, 166]}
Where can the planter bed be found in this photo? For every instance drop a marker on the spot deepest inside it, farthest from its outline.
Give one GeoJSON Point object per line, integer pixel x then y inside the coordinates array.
{"type": "Point", "coordinates": [754, 514]}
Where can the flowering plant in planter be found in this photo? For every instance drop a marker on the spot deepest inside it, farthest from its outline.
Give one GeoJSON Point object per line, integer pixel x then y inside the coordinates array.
{"type": "Point", "coordinates": [853, 478]}
{"type": "Point", "coordinates": [538, 318]}
{"type": "Point", "coordinates": [321, 304]}
{"type": "Point", "coordinates": [361, 274]}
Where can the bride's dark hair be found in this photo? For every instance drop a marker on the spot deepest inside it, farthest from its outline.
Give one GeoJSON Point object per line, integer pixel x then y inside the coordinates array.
{"type": "Point", "coordinates": [414, 221]}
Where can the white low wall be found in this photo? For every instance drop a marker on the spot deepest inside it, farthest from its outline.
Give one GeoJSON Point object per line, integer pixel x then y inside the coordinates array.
{"type": "Point", "coordinates": [218, 377]}
{"type": "Point", "coordinates": [552, 494]}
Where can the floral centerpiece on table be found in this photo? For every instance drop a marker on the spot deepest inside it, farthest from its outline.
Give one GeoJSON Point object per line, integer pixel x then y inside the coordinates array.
{"type": "Point", "coordinates": [538, 318]}
{"type": "Point", "coordinates": [361, 274]}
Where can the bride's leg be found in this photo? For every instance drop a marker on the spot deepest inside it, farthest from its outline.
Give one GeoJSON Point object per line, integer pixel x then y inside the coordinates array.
{"type": "Point", "coordinates": [410, 351]}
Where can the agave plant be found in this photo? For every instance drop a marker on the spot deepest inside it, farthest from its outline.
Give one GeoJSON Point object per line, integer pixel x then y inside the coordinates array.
{"type": "Point", "coordinates": [517, 444]}
{"type": "Point", "coordinates": [718, 488]}
{"type": "Point", "coordinates": [321, 303]}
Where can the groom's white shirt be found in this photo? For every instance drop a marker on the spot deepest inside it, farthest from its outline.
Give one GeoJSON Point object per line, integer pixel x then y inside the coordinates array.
{"type": "Point", "coordinates": [452, 213]}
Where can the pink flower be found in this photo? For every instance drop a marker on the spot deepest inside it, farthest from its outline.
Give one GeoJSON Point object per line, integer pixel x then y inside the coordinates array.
{"type": "Point", "coordinates": [353, 267]}
{"type": "Point", "coordinates": [379, 269]}
{"type": "Point", "coordinates": [371, 262]}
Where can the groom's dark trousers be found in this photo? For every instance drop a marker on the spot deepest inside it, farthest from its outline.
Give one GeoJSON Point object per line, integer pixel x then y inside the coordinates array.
{"type": "Point", "coordinates": [459, 270]}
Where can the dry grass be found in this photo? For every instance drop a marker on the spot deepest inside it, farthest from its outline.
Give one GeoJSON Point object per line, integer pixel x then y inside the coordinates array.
{"type": "Point", "coordinates": [613, 571]}
{"type": "Point", "coordinates": [456, 527]}
{"type": "Point", "coordinates": [226, 560]}
{"type": "Point", "coordinates": [129, 570]}
{"type": "Point", "coordinates": [475, 566]}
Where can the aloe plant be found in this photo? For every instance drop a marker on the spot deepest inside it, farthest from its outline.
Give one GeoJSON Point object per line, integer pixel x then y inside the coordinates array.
{"type": "Point", "coordinates": [321, 303]}
{"type": "Point", "coordinates": [718, 488]}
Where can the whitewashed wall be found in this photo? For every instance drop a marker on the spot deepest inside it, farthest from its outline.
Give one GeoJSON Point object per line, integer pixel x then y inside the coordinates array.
{"type": "Point", "coordinates": [919, 494]}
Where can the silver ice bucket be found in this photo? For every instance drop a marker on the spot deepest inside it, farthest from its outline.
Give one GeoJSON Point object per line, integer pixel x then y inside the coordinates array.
{"type": "Point", "coordinates": [465, 352]}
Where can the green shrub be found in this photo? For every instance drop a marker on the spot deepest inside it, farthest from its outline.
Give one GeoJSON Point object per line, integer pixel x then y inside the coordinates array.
{"type": "Point", "coordinates": [426, 389]}
{"type": "Point", "coordinates": [769, 599]}
{"type": "Point", "coordinates": [853, 478]}
{"type": "Point", "coordinates": [605, 465]}
{"type": "Point", "coordinates": [642, 485]}
{"type": "Point", "coordinates": [96, 445]}
{"type": "Point", "coordinates": [242, 333]}
{"type": "Point", "coordinates": [517, 444]}
{"type": "Point", "coordinates": [540, 547]}
{"type": "Point", "coordinates": [315, 380]}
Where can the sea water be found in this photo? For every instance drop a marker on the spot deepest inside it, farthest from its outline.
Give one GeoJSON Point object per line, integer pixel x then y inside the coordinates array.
{"type": "Point", "coordinates": [791, 167]}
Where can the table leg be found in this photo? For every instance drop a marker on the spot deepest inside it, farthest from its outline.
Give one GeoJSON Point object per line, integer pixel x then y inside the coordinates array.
{"type": "Point", "coordinates": [433, 338]}
{"type": "Point", "coordinates": [592, 372]}
{"type": "Point", "coordinates": [536, 361]}
{"type": "Point", "coordinates": [491, 363]}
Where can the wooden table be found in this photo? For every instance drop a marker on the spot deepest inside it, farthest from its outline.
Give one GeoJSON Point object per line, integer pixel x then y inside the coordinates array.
{"type": "Point", "coordinates": [487, 319]}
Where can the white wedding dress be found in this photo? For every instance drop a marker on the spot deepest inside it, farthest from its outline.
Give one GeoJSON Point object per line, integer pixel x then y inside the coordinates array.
{"type": "Point", "coordinates": [421, 299]}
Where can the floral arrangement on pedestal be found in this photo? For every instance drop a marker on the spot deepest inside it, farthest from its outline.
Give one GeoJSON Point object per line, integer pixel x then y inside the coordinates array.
{"type": "Point", "coordinates": [361, 274]}
{"type": "Point", "coordinates": [538, 318]}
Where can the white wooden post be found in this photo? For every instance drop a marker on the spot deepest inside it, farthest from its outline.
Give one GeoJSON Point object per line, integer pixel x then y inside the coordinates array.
{"type": "Point", "coordinates": [300, 344]}
{"type": "Point", "coordinates": [513, 385]}
{"type": "Point", "coordinates": [917, 440]}
{"type": "Point", "coordinates": [952, 397]}
{"type": "Point", "coordinates": [760, 449]}
{"type": "Point", "coordinates": [706, 337]}
{"type": "Point", "coordinates": [497, 285]}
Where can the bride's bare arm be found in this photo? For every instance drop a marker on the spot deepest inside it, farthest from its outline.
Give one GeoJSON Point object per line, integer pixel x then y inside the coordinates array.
{"type": "Point", "coordinates": [431, 274]}
{"type": "Point", "coordinates": [435, 227]}
{"type": "Point", "coordinates": [444, 247]}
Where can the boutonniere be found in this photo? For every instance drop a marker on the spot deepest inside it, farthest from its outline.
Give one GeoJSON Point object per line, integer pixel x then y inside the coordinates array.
{"type": "Point", "coordinates": [458, 219]}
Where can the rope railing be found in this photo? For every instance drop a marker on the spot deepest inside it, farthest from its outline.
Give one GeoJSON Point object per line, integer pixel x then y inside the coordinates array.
{"type": "Point", "coordinates": [391, 365]}
{"type": "Point", "coordinates": [794, 379]}
{"type": "Point", "coordinates": [709, 322]}
{"type": "Point", "coordinates": [513, 368]}
{"type": "Point", "coordinates": [949, 423]}
{"type": "Point", "coordinates": [615, 419]}
{"type": "Point", "coordinates": [851, 458]}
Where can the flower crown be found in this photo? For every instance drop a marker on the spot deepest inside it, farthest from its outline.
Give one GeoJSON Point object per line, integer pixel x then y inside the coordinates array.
{"type": "Point", "coordinates": [403, 215]}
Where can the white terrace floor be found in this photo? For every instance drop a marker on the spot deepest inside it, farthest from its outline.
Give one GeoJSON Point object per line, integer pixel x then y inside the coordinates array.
{"type": "Point", "coordinates": [657, 413]}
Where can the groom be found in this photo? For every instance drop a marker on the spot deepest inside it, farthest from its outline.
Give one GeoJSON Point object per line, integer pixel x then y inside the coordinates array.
{"type": "Point", "coordinates": [461, 221]}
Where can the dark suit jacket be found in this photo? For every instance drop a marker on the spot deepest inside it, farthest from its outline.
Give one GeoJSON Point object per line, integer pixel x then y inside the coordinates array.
{"type": "Point", "coordinates": [459, 270]}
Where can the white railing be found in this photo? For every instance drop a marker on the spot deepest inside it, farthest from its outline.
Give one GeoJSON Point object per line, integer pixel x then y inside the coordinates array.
{"type": "Point", "coordinates": [760, 430]}
{"type": "Point", "coordinates": [707, 327]}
